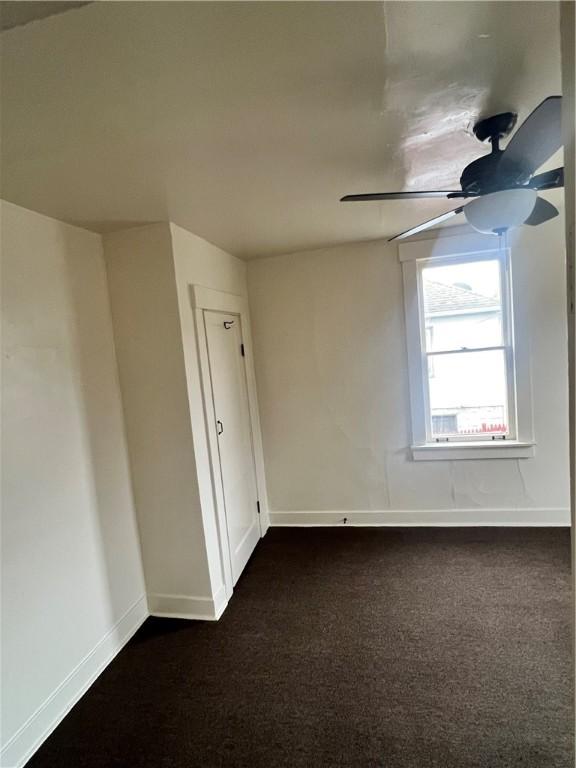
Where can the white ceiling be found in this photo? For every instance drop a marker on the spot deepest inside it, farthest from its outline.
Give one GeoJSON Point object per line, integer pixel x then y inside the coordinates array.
{"type": "Point", "coordinates": [246, 122]}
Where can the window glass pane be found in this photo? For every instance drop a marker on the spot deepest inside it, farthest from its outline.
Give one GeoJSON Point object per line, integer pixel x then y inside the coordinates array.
{"type": "Point", "coordinates": [468, 394]}
{"type": "Point", "coordinates": [462, 305]}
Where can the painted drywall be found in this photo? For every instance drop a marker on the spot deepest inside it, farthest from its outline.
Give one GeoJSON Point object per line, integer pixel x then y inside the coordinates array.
{"type": "Point", "coordinates": [333, 387]}
{"type": "Point", "coordinates": [199, 263]}
{"type": "Point", "coordinates": [150, 272]}
{"type": "Point", "coordinates": [144, 304]}
{"type": "Point", "coordinates": [245, 122]}
{"type": "Point", "coordinates": [72, 583]}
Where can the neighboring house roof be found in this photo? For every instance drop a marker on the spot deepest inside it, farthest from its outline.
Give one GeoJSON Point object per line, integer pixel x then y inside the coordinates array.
{"type": "Point", "coordinates": [441, 298]}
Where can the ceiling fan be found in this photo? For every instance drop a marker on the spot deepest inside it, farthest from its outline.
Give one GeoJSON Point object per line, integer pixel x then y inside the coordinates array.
{"type": "Point", "coordinates": [502, 184]}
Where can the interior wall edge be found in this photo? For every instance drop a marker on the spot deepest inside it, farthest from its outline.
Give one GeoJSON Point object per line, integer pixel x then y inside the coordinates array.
{"type": "Point", "coordinates": [30, 736]}
{"type": "Point", "coordinates": [147, 334]}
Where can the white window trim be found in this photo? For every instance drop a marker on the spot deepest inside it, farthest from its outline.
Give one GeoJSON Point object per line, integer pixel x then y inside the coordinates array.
{"type": "Point", "coordinates": [413, 255]}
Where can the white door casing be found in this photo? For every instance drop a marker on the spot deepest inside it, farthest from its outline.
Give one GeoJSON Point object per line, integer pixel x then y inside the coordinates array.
{"type": "Point", "coordinates": [234, 435]}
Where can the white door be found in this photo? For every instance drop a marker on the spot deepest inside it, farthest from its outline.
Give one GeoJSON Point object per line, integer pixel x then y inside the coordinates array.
{"type": "Point", "coordinates": [232, 416]}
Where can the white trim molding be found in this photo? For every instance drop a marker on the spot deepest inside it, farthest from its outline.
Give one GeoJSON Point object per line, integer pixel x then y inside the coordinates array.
{"type": "Point", "coordinates": [188, 606]}
{"type": "Point", "coordinates": [456, 243]}
{"type": "Point", "coordinates": [218, 301]}
{"type": "Point", "coordinates": [536, 517]}
{"type": "Point", "coordinates": [515, 347]}
{"type": "Point", "coordinates": [501, 449]}
{"type": "Point", "coordinates": [29, 737]}
{"type": "Point", "coordinates": [202, 298]}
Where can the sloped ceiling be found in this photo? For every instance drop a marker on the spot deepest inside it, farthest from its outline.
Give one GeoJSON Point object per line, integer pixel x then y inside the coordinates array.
{"type": "Point", "coordinates": [246, 122]}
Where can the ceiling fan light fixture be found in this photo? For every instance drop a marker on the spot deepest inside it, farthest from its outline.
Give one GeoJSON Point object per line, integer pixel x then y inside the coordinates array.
{"type": "Point", "coordinates": [499, 211]}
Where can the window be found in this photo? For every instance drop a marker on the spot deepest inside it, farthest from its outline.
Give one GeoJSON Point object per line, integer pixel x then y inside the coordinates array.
{"type": "Point", "coordinates": [468, 350]}
{"type": "Point", "coordinates": [445, 423]}
{"type": "Point", "coordinates": [463, 362]}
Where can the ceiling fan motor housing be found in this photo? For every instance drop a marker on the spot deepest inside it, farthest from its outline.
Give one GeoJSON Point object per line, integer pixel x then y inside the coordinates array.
{"type": "Point", "coordinates": [488, 174]}
{"type": "Point", "coordinates": [495, 127]}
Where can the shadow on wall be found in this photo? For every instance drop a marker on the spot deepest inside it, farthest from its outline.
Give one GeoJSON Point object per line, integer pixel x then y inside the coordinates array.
{"type": "Point", "coordinates": [104, 438]}
{"type": "Point", "coordinates": [71, 566]}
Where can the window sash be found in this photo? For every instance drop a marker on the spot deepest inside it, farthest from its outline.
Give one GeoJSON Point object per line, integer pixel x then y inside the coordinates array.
{"type": "Point", "coordinates": [503, 257]}
{"type": "Point", "coordinates": [464, 350]}
{"type": "Point", "coordinates": [503, 418]}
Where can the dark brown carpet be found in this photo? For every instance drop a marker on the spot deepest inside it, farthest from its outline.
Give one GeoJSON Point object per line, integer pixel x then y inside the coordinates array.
{"type": "Point", "coordinates": [400, 648]}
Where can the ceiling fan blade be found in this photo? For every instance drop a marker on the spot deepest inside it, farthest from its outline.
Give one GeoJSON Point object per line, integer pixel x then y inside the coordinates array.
{"type": "Point", "coordinates": [402, 195]}
{"type": "Point", "coordinates": [539, 136]}
{"type": "Point", "coordinates": [543, 211]}
{"type": "Point", "coordinates": [427, 224]}
{"type": "Point", "coordinates": [548, 180]}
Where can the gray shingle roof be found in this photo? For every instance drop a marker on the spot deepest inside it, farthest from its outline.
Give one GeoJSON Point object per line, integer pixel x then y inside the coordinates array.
{"type": "Point", "coordinates": [440, 298]}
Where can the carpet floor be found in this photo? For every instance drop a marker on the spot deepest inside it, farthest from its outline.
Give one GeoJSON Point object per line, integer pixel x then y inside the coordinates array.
{"type": "Point", "coordinates": [397, 648]}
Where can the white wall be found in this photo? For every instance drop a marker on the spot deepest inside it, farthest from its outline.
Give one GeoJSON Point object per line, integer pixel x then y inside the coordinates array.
{"type": "Point", "coordinates": [333, 389]}
{"type": "Point", "coordinates": [153, 380]}
{"type": "Point", "coordinates": [150, 271]}
{"type": "Point", "coordinates": [72, 584]}
{"type": "Point", "coordinates": [199, 263]}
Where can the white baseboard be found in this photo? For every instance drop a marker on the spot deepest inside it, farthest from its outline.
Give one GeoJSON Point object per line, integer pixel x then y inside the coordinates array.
{"type": "Point", "coordinates": [28, 738]}
{"type": "Point", "coordinates": [425, 517]}
{"type": "Point", "coordinates": [187, 606]}
{"type": "Point", "coordinates": [264, 524]}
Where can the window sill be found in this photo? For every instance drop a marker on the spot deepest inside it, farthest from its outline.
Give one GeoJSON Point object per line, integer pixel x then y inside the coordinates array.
{"type": "Point", "coordinates": [512, 449]}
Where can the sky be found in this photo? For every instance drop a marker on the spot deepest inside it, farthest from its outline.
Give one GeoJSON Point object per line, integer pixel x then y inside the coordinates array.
{"type": "Point", "coordinates": [482, 276]}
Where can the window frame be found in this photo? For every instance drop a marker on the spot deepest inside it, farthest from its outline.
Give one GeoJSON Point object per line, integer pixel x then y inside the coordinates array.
{"type": "Point", "coordinates": [414, 256]}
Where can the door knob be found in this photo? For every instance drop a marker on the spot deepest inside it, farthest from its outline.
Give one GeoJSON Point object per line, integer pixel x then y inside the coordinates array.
{"type": "Point", "coordinates": [219, 427]}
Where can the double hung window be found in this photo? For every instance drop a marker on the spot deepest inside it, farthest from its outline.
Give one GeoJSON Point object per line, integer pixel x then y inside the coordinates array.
{"type": "Point", "coordinates": [463, 367]}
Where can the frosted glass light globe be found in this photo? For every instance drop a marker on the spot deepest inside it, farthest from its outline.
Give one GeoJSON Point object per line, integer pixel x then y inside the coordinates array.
{"type": "Point", "coordinates": [502, 210]}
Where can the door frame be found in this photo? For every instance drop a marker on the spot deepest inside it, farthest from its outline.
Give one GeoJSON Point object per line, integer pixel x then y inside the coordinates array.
{"type": "Point", "coordinates": [201, 299]}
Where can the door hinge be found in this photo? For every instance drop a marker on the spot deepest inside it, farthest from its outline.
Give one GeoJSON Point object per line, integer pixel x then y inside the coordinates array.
{"type": "Point", "coordinates": [258, 506]}
{"type": "Point", "coordinates": [242, 350]}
